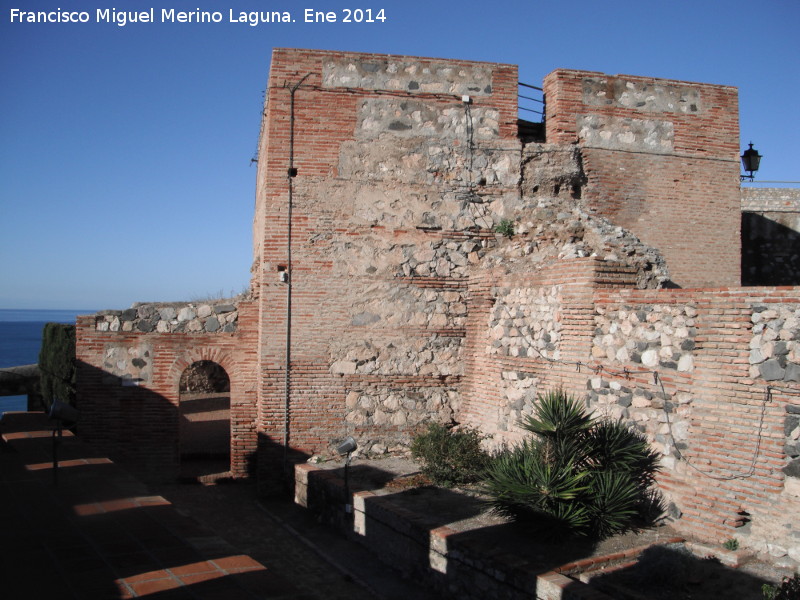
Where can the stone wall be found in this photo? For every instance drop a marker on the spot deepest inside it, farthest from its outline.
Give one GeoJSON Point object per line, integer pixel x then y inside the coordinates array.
{"type": "Point", "coordinates": [199, 317]}
{"type": "Point", "coordinates": [524, 322]}
{"type": "Point", "coordinates": [775, 345]}
{"type": "Point", "coordinates": [400, 186]}
{"type": "Point", "coordinates": [385, 295]}
{"type": "Point", "coordinates": [661, 159]}
{"type": "Point", "coordinates": [710, 376]}
{"type": "Point", "coordinates": [653, 336]}
{"type": "Point", "coordinates": [407, 306]}
{"type": "Point", "coordinates": [555, 221]}
{"type": "Point", "coordinates": [770, 200]}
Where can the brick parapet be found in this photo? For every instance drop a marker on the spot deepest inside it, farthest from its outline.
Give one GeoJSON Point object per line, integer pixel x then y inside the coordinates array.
{"type": "Point", "coordinates": [661, 159]}
{"type": "Point", "coordinates": [767, 200]}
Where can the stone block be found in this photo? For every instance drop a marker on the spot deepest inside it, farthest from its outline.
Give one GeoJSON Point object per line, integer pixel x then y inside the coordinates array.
{"type": "Point", "coordinates": [167, 313]}
{"type": "Point", "coordinates": [792, 372]}
{"type": "Point", "coordinates": [793, 468]}
{"type": "Point", "coordinates": [686, 363]}
{"type": "Point", "coordinates": [650, 358]}
{"type": "Point", "coordinates": [771, 370]}
{"type": "Point", "coordinates": [187, 313]}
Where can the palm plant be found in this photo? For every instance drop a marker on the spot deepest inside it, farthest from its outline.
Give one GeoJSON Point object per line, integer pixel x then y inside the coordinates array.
{"type": "Point", "coordinates": [588, 476]}
{"type": "Point", "coordinates": [527, 478]}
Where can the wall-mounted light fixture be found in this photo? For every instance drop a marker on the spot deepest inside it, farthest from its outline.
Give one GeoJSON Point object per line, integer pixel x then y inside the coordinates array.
{"type": "Point", "coordinates": [347, 446]}
{"type": "Point", "coordinates": [63, 413]}
{"type": "Point", "coordinates": [751, 160]}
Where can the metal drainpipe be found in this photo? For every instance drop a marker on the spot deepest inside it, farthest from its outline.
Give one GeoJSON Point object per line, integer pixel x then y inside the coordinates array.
{"type": "Point", "coordinates": [287, 366]}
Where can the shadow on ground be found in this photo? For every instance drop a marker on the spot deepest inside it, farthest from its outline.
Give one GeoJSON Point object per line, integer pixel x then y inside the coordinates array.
{"type": "Point", "coordinates": [669, 572]}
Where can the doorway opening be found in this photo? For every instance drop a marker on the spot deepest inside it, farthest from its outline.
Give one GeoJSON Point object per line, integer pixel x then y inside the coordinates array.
{"type": "Point", "coordinates": [205, 422]}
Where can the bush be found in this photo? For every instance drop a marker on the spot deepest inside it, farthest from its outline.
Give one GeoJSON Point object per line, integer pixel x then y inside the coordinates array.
{"type": "Point", "coordinates": [505, 227]}
{"type": "Point", "coordinates": [731, 544]}
{"type": "Point", "coordinates": [57, 363]}
{"type": "Point", "coordinates": [450, 457]}
{"type": "Point", "coordinates": [576, 474]}
{"type": "Point", "coordinates": [789, 589]}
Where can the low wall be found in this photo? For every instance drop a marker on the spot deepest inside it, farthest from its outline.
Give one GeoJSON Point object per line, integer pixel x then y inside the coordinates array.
{"type": "Point", "coordinates": [450, 559]}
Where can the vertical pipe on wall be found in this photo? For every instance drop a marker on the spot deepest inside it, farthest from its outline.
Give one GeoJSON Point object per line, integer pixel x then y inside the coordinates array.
{"type": "Point", "coordinates": [290, 174]}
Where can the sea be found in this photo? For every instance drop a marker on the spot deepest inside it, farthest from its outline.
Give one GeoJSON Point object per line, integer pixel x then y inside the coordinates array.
{"type": "Point", "coordinates": [21, 339]}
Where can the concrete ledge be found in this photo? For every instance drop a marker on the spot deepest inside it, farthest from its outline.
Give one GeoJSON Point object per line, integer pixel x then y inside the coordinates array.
{"type": "Point", "coordinates": [729, 558]}
{"type": "Point", "coordinates": [449, 560]}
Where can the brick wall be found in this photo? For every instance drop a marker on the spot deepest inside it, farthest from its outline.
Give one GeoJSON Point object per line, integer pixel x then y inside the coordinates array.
{"type": "Point", "coordinates": [128, 385]}
{"type": "Point", "coordinates": [388, 209]}
{"type": "Point", "coordinates": [712, 376]}
{"type": "Point", "coordinates": [501, 386]}
{"type": "Point", "coordinates": [662, 160]}
{"type": "Point", "coordinates": [377, 267]}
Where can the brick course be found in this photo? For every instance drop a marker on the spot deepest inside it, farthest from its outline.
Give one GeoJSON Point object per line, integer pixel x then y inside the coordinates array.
{"type": "Point", "coordinates": [395, 274]}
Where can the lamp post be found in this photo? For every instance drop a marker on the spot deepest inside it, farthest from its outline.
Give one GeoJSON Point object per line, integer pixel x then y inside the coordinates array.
{"type": "Point", "coordinates": [63, 414]}
{"type": "Point", "coordinates": [751, 159]}
{"type": "Point", "coordinates": [346, 447]}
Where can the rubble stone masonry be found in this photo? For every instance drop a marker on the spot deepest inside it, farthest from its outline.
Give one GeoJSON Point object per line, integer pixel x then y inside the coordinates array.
{"type": "Point", "coordinates": [129, 367]}
{"type": "Point", "coordinates": [415, 261]}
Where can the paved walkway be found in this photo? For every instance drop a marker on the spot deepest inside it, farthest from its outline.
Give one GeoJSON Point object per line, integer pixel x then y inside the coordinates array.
{"type": "Point", "coordinates": [97, 532]}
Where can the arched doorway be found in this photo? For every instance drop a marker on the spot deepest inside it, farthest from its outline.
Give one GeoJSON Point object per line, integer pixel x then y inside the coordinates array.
{"type": "Point", "coordinates": [205, 421]}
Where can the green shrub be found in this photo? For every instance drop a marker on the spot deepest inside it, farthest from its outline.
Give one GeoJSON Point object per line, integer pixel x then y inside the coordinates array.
{"type": "Point", "coordinates": [789, 589]}
{"type": "Point", "coordinates": [731, 544]}
{"type": "Point", "coordinates": [449, 456]}
{"type": "Point", "coordinates": [57, 363]}
{"type": "Point", "coordinates": [505, 227]}
{"type": "Point", "coordinates": [576, 474]}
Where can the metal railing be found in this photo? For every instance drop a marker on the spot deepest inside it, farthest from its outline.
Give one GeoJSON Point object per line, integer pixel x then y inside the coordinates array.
{"type": "Point", "coordinates": [531, 102]}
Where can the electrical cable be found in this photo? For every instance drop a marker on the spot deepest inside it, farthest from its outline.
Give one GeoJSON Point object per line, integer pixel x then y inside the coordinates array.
{"type": "Point", "coordinates": [658, 380]}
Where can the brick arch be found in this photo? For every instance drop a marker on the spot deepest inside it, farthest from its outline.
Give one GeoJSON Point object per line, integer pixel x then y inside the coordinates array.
{"type": "Point", "coordinates": [189, 357]}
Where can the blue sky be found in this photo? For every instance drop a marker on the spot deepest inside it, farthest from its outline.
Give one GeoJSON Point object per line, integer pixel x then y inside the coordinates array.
{"type": "Point", "coordinates": [125, 152]}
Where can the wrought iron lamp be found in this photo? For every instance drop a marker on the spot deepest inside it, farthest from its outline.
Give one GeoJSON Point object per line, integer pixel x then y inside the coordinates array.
{"type": "Point", "coordinates": [346, 447]}
{"type": "Point", "coordinates": [751, 160]}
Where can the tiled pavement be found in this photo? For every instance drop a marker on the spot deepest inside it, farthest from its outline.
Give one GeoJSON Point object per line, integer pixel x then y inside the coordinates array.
{"type": "Point", "coordinates": [95, 533]}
